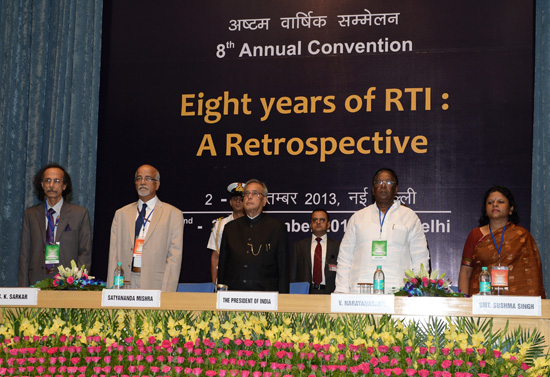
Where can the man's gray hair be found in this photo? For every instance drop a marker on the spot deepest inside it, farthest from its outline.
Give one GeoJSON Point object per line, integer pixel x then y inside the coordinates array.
{"type": "Point", "coordinates": [264, 187]}
{"type": "Point", "coordinates": [157, 175]}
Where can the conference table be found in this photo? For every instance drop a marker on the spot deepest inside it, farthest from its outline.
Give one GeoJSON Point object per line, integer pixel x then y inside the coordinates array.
{"type": "Point", "coordinates": [408, 308]}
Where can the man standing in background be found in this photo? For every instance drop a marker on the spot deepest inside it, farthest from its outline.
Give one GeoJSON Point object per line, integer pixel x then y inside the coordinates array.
{"type": "Point", "coordinates": [314, 259]}
{"type": "Point", "coordinates": [55, 232]}
{"type": "Point", "coordinates": [236, 202]}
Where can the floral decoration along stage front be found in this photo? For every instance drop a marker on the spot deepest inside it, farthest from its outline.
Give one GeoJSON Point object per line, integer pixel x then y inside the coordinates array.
{"type": "Point", "coordinates": [98, 342]}
{"type": "Point", "coordinates": [72, 278]}
{"type": "Point", "coordinates": [426, 284]}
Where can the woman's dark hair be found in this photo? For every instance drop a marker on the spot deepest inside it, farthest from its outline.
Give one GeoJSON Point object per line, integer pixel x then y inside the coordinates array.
{"type": "Point", "coordinates": [37, 182]}
{"type": "Point", "coordinates": [514, 217]}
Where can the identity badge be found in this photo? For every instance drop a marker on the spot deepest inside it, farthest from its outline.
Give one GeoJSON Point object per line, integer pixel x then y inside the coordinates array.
{"type": "Point", "coordinates": [138, 250]}
{"type": "Point", "coordinates": [52, 253]}
{"type": "Point", "coordinates": [379, 249]}
{"type": "Point", "coordinates": [499, 276]}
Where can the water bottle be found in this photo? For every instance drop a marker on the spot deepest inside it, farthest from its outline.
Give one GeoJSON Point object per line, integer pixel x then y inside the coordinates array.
{"type": "Point", "coordinates": [118, 281]}
{"type": "Point", "coordinates": [484, 282]}
{"type": "Point", "coordinates": [379, 283]}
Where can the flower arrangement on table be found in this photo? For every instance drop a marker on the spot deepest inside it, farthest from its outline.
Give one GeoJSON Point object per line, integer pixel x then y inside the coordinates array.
{"type": "Point", "coordinates": [72, 278]}
{"type": "Point", "coordinates": [99, 342]}
{"type": "Point", "coordinates": [426, 284]}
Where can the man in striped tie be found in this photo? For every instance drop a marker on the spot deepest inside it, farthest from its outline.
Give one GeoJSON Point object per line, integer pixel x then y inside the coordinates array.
{"type": "Point", "coordinates": [55, 232]}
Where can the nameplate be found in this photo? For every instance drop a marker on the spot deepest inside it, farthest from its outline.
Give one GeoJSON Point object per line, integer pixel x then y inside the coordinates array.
{"type": "Point", "coordinates": [19, 296]}
{"type": "Point", "coordinates": [244, 300]}
{"type": "Point", "coordinates": [141, 298]}
{"type": "Point", "coordinates": [507, 305]}
{"type": "Point", "coordinates": [361, 303]}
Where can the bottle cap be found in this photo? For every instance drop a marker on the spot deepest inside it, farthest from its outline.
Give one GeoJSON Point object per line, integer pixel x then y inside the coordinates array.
{"type": "Point", "coordinates": [379, 267]}
{"type": "Point", "coordinates": [483, 268]}
{"type": "Point", "coordinates": [119, 264]}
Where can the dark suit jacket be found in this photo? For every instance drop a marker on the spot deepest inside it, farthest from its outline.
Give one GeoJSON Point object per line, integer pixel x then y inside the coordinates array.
{"type": "Point", "coordinates": [300, 263]}
{"type": "Point", "coordinates": [73, 233]}
{"type": "Point", "coordinates": [254, 255]}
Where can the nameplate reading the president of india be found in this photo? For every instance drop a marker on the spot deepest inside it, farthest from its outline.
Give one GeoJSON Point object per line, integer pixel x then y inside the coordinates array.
{"type": "Point", "coordinates": [507, 305]}
{"type": "Point", "coordinates": [18, 296]}
{"type": "Point", "coordinates": [245, 300]}
{"type": "Point", "coordinates": [141, 298]}
{"type": "Point", "coordinates": [362, 303]}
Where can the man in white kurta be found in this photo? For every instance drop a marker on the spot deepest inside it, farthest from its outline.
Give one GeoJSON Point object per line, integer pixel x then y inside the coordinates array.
{"type": "Point", "coordinates": [385, 234]}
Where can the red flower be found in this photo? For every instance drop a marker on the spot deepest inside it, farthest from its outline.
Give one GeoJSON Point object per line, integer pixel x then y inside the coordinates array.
{"type": "Point", "coordinates": [70, 280]}
{"type": "Point", "coordinates": [425, 281]}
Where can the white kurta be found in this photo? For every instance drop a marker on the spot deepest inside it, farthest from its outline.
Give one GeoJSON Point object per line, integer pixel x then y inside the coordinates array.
{"type": "Point", "coordinates": [406, 247]}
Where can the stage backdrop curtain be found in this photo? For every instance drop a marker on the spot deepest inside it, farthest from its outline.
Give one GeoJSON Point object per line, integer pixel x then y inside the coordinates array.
{"type": "Point", "coordinates": [50, 55]}
{"type": "Point", "coordinates": [540, 200]}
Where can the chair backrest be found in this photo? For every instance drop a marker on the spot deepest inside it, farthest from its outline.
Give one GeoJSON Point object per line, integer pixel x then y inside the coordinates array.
{"type": "Point", "coordinates": [300, 288]}
{"type": "Point", "coordinates": [196, 287]}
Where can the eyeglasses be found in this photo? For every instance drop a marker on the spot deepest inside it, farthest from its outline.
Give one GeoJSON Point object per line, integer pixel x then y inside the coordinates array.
{"type": "Point", "coordinates": [237, 198]}
{"type": "Point", "coordinates": [147, 178]}
{"type": "Point", "coordinates": [255, 194]}
{"type": "Point", "coordinates": [380, 182]}
{"type": "Point", "coordinates": [55, 181]}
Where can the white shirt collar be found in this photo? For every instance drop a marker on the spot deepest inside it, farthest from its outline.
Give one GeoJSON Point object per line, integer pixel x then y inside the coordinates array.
{"type": "Point", "coordinates": [56, 207]}
{"type": "Point", "coordinates": [323, 237]}
{"type": "Point", "coordinates": [150, 204]}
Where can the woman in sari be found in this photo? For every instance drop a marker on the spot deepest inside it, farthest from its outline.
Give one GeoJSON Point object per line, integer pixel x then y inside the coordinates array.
{"type": "Point", "coordinates": [501, 241]}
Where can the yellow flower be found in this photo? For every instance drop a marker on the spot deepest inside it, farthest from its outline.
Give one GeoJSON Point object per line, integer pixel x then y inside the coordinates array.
{"type": "Point", "coordinates": [359, 341]}
{"type": "Point", "coordinates": [477, 339]}
{"type": "Point", "coordinates": [227, 326]}
{"type": "Point", "coordinates": [59, 322]}
{"type": "Point", "coordinates": [24, 324]}
{"type": "Point", "coordinates": [238, 320]}
{"type": "Point", "coordinates": [171, 323]}
{"type": "Point", "coordinates": [216, 335]}
{"type": "Point", "coordinates": [246, 333]}
{"type": "Point", "coordinates": [109, 342]}
{"type": "Point", "coordinates": [523, 348]}
{"type": "Point", "coordinates": [173, 333]}
{"type": "Point", "coordinates": [541, 362]}
{"type": "Point", "coordinates": [258, 328]}
{"type": "Point", "coordinates": [286, 334]}
{"type": "Point", "coordinates": [202, 325]}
